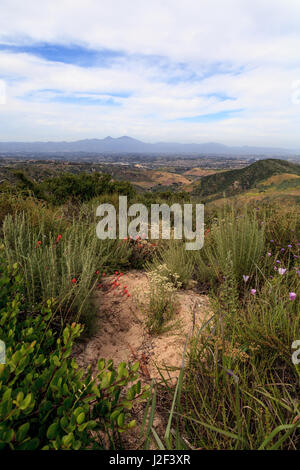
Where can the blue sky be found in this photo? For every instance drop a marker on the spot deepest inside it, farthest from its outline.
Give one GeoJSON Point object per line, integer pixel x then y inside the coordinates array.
{"type": "Point", "coordinates": [175, 71]}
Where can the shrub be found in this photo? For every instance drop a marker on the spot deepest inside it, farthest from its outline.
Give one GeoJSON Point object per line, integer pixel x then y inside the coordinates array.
{"type": "Point", "coordinates": [46, 402]}
{"type": "Point", "coordinates": [176, 259]}
{"type": "Point", "coordinates": [243, 235]}
{"type": "Point", "coordinates": [60, 265]}
{"type": "Point", "coordinates": [82, 187]}
{"type": "Point", "coordinates": [160, 304]}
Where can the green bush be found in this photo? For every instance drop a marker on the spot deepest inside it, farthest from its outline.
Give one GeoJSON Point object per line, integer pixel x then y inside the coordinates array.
{"type": "Point", "coordinates": [46, 401]}
{"type": "Point", "coordinates": [243, 235]}
{"type": "Point", "coordinates": [63, 265]}
{"type": "Point", "coordinates": [177, 260]}
{"type": "Point", "coordinates": [160, 305]}
{"type": "Point", "coordinates": [82, 187]}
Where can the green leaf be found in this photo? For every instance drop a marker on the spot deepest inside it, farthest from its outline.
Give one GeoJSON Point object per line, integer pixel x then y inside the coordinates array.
{"type": "Point", "coordinates": [22, 431]}
{"type": "Point", "coordinates": [80, 418]}
{"type": "Point", "coordinates": [52, 430]}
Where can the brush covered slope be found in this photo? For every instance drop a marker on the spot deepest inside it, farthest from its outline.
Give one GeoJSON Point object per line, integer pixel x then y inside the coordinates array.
{"type": "Point", "coordinates": [234, 182]}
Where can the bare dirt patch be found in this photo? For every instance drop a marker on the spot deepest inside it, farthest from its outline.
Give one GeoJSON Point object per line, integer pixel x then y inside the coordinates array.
{"type": "Point", "coordinates": [120, 332]}
{"type": "Point", "coordinates": [121, 335]}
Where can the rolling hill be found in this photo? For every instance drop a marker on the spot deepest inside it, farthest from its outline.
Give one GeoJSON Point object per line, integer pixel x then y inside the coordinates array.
{"type": "Point", "coordinates": [233, 182]}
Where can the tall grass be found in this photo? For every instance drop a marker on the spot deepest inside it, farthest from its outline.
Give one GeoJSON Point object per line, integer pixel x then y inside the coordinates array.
{"type": "Point", "coordinates": [176, 259]}
{"type": "Point", "coordinates": [63, 265]}
{"type": "Point", "coordinates": [240, 389]}
{"type": "Point", "coordinates": [241, 234]}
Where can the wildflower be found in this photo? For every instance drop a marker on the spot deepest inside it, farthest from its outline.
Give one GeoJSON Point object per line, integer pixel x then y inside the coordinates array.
{"type": "Point", "coordinates": [58, 238]}
{"type": "Point", "coordinates": [245, 278]}
{"type": "Point", "coordinates": [281, 271]}
{"type": "Point", "coordinates": [253, 291]}
{"type": "Point", "coordinates": [269, 254]}
{"type": "Point", "coordinates": [282, 250]}
{"type": "Point", "coordinates": [125, 238]}
{"type": "Point", "coordinates": [289, 246]}
{"type": "Point", "coordinates": [116, 273]}
{"type": "Point", "coordinates": [271, 241]}
{"type": "Point", "coordinates": [275, 268]}
{"type": "Point", "coordinates": [74, 280]}
{"type": "Point", "coordinates": [298, 272]}
{"type": "Point", "coordinates": [103, 274]}
{"type": "Point", "coordinates": [128, 295]}
{"type": "Point", "coordinates": [277, 261]}
{"type": "Point", "coordinates": [292, 295]}
{"type": "Point", "coordinates": [97, 272]}
{"type": "Point", "coordinates": [39, 243]}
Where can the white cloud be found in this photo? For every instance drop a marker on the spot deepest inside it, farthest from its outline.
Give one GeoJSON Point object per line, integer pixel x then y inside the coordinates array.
{"type": "Point", "coordinates": [178, 58]}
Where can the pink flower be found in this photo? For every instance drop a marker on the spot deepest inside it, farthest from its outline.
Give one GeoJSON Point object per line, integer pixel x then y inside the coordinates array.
{"type": "Point", "coordinates": [292, 295]}
{"type": "Point", "coordinates": [253, 291]}
{"type": "Point", "coordinates": [281, 271]}
{"type": "Point", "coordinates": [269, 254]}
{"type": "Point", "coordinates": [245, 278]}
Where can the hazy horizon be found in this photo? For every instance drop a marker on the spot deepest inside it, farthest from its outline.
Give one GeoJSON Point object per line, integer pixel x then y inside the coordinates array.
{"type": "Point", "coordinates": [192, 72]}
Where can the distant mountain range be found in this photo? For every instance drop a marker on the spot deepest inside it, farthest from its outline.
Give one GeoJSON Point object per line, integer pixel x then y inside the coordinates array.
{"type": "Point", "coordinates": [127, 144]}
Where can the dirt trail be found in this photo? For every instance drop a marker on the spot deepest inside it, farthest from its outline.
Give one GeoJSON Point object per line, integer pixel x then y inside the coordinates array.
{"type": "Point", "coordinates": [121, 335]}
{"type": "Point", "coordinates": [120, 327]}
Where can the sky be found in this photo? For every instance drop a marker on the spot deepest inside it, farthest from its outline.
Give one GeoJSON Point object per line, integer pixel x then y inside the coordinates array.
{"type": "Point", "coordinates": [198, 71]}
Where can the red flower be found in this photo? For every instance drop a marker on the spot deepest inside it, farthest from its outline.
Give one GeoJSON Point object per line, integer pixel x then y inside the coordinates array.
{"type": "Point", "coordinates": [39, 243]}
{"type": "Point", "coordinates": [58, 238]}
{"type": "Point", "coordinates": [103, 274]}
{"type": "Point", "coordinates": [97, 272]}
{"type": "Point", "coordinates": [74, 280]}
{"type": "Point", "coordinates": [116, 272]}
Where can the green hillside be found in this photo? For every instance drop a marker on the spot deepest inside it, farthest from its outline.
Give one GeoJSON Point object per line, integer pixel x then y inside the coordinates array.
{"type": "Point", "coordinates": [237, 181]}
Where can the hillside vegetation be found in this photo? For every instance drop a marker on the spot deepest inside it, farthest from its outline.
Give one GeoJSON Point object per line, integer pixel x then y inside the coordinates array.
{"type": "Point", "coordinates": [237, 387]}
{"type": "Point", "coordinates": [238, 181]}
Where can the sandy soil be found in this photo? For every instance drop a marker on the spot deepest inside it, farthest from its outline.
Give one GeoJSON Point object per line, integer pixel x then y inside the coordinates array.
{"type": "Point", "coordinates": [120, 327]}
{"type": "Point", "coordinates": [120, 334]}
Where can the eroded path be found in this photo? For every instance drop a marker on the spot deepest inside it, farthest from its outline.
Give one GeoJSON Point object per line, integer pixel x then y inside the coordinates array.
{"type": "Point", "coordinates": [121, 335]}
